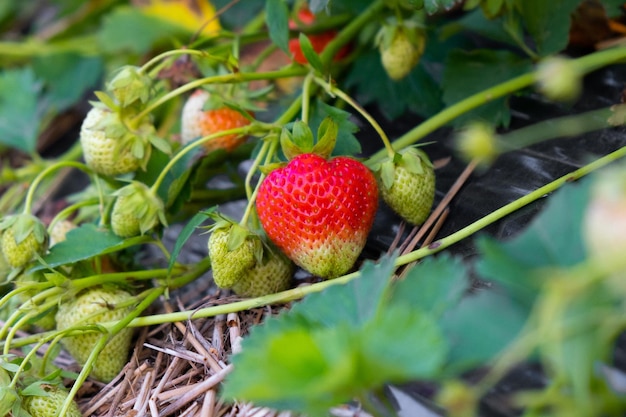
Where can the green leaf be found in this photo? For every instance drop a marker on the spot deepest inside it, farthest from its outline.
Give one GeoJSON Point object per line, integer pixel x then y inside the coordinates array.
{"type": "Point", "coordinates": [418, 92]}
{"type": "Point", "coordinates": [474, 335]}
{"type": "Point", "coordinates": [347, 143]}
{"type": "Point", "coordinates": [434, 6]}
{"type": "Point", "coordinates": [552, 239]}
{"type": "Point", "coordinates": [278, 23]}
{"type": "Point", "coordinates": [185, 234]}
{"type": "Point", "coordinates": [354, 303]}
{"type": "Point", "coordinates": [20, 110]}
{"type": "Point", "coordinates": [548, 22]}
{"type": "Point", "coordinates": [127, 29]}
{"type": "Point", "coordinates": [413, 346]}
{"type": "Point", "coordinates": [286, 365]}
{"type": "Point", "coordinates": [310, 54]}
{"type": "Point", "coordinates": [67, 77]}
{"type": "Point", "coordinates": [467, 73]}
{"type": "Point", "coordinates": [475, 21]}
{"type": "Point", "coordinates": [434, 285]}
{"type": "Point", "coordinates": [81, 243]}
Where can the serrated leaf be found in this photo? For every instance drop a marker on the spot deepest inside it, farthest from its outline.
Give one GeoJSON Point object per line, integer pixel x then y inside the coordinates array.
{"type": "Point", "coordinates": [398, 327]}
{"type": "Point", "coordinates": [475, 337]}
{"type": "Point", "coordinates": [354, 303]}
{"type": "Point", "coordinates": [278, 23]}
{"type": "Point", "coordinates": [434, 285]}
{"type": "Point", "coordinates": [548, 22]}
{"type": "Point", "coordinates": [285, 365]}
{"type": "Point", "coordinates": [418, 92]}
{"type": "Point", "coordinates": [552, 239]}
{"type": "Point", "coordinates": [310, 54]}
{"type": "Point", "coordinates": [67, 77]}
{"type": "Point", "coordinates": [81, 243]}
{"type": "Point", "coordinates": [20, 109]}
{"type": "Point", "coordinates": [467, 73]}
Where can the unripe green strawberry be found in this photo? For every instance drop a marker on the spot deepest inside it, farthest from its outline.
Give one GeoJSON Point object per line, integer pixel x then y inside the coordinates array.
{"type": "Point", "coordinates": [23, 238]}
{"type": "Point", "coordinates": [319, 211]}
{"type": "Point", "coordinates": [136, 211]}
{"type": "Point", "coordinates": [49, 405]}
{"type": "Point", "coordinates": [558, 79]}
{"type": "Point", "coordinates": [408, 185]}
{"type": "Point", "coordinates": [97, 305]}
{"type": "Point", "coordinates": [109, 145]}
{"type": "Point", "coordinates": [233, 251]}
{"type": "Point", "coordinates": [272, 275]}
{"type": "Point", "coordinates": [401, 47]}
{"type": "Point", "coordinates": [478, 142]}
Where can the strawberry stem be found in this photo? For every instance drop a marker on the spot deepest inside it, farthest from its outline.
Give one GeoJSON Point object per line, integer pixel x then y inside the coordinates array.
{"type": "Point", "coordinates": [61, 164]}
{"type": "Point", "coordinates": [221, 79]}
{"type": "Point", "coordinates": [584, 65]}
{"type": "Point", "coordinates": [306, 97]}
{"type": "Point", "coordinates": [335, 91]}
{"type": "Point", "coordinates": [175, 52]}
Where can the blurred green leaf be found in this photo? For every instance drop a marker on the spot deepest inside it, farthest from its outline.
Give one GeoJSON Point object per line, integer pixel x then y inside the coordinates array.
{"type": "Point", "coordinates": [278, 23]}
{"type": "Point", "coordinates": [467, 73]}
{"type": "Point", "coordinates": [418, 92]}
{"type": "Point", "coordinates": [480, 327]}
{"type": "Point", "coordinates": [309, 53]}
{"type": "Point", "coordinates": [353, 304]}
{"type": "Point", "coordinates": [552, 239]}
{"type": "Point", "coordinates": [413, 345]}
{"type": "Point", "coordinates": [434, 285]}
{"type": "Point", "coordinates": [67, 77]}
{"type": "Point", "coordinates": [127, 29]}
{"type": "Point", "coordinates": [548, 22]}
{"type": "Point", "coordinates": [20, 110]}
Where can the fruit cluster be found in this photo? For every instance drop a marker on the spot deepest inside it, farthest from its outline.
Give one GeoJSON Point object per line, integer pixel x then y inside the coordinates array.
{"type": "Point", "coordinates": [308, 205]}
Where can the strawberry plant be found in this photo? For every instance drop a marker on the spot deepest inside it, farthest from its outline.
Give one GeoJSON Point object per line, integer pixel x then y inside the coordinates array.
{"type": "Point", "coordinates": [333, 265]}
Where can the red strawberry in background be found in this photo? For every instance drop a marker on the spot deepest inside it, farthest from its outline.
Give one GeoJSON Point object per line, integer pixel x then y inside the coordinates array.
{"type": "Point", "coordinates": [319, 211]}
{"type": "Point", "coordinates": [318, 40]}
{"type": "Point", "coordinates": [200, 119]}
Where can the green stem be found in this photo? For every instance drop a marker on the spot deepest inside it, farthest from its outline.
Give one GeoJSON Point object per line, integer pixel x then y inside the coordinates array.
{"type": "Point", "coordinates": [184, 151]}
{"type": "Point", "coordinates": [61, 164]}
{"type": "Point", "coordinates": [67, 211]}
{"type": "Point", "coordinates": [298, 293]}
{"type": "Point", "coordinates": [103, 340]}
{"type": "Point", "coordinates": [584, 65]}
{"type": "Point", "coordinates": [221, 79]}
{"type": "Point", "coordinates": [334, 91]}
{"type": "Point", "coordinates": [306, 97]}
{"type": "Point", "coordinates": [351, 31]}
{"type": "Point", "coordinates": [174, 52]}
{"type": "Point", "coordinates": [251, 195]}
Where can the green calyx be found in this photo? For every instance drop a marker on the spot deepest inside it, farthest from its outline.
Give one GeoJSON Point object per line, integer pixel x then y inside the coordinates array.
{"type": "Point", "coordinates": [130, 85]}
{"type": "Point", "coordinates": [300, 139]}
{"type": "Point", "coordinates": [22, 225]}
{"type": "Point", "coordinates": [137, 210]}
{"type": "Point", "coordinates": [412, 159]}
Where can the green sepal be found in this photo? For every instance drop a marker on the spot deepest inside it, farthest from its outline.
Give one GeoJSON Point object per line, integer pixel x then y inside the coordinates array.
{"type": "Point", "coordinates": [266, 169]}
{"type": "Point", "coordinates": [106, 99]}
{"type": "Point", "coordinates": [326, 138]}
{"type": "Point", "coordinates": [129, 85]}
{"type": "Point", "coordinates": [310, 54]}
{"type": "Point", "coordinates": [236, 236]}
{"type": "Point", "coordinates": [412, 162]}
{"type": "Point", "coordinates": [387, 173]}
{"type": "Point", "coordinates": [302, 136]}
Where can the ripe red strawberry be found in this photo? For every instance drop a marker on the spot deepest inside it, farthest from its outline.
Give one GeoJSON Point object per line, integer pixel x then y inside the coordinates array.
{"type": "Point", "coordinates": [197, 121]}
{"type": "Point", "coordinates": [408, 185]}
{"type": "Point", "coordinates": [318, 40]}
{"type": "Point", "coordinates": [319, 212]}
